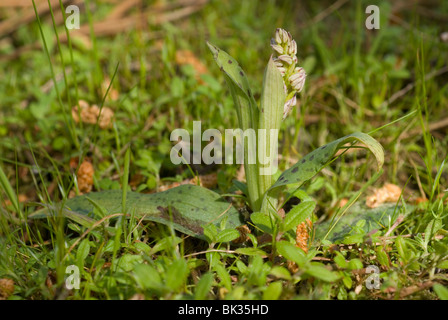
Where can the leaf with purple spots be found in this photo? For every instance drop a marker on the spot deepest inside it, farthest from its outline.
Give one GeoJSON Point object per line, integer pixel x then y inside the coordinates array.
{"type": "Point", "coordinates": [247, 111]}
{"type": "Point", "coordinates": [315, 161]}
{"type": "Point", "coordinates": [187, 208]}
{"type": "Point", "coordinates": [232, 69]}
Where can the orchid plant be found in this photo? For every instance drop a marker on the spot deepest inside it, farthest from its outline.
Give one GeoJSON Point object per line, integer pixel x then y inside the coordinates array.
{"type": "Point", "coordinates": [198, 211]}
{"type": "Point", "coordinates": [283, 80]}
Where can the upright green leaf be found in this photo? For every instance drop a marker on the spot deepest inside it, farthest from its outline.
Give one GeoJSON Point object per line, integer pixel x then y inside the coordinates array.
{"type": "Point", "coordinates": [271, 111]}
{"type": "Point", "coordinates": [247, 112]}
{"type": "Point", "coordinates": [232, 69]}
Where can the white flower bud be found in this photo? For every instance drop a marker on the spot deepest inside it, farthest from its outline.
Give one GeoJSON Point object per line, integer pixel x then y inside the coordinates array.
{"type": "Point", "coordinates": [292, 49]}
{"type": "Point", "coordinates": [297, 80]}
{"type": "Point", "coordinates": [278, 48]}
{"type": "Point", "coordinates": [288, 106]}
{"type": "Point", "coordinates": [282, 70]}
{"type": "Point", "coordinates": [285, 37]}
{"type": "Point", "coordinates": [286, 58]}
{"type": "Point", "coordinates": [286, 62]}
{"type": "Point", "coordinates": [278, 33]}
{"type": "Point", "coordinates": [277, 62]}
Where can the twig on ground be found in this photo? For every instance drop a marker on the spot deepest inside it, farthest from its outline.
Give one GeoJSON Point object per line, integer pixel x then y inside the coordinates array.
{"type": "Point", "coordinates": [397, 222]}
{"type": "Point", "coordinates": [412, 85]}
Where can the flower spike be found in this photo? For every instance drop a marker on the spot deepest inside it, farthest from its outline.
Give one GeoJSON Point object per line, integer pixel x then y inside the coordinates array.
{"type": "Point", "coordinates": [285, 59]}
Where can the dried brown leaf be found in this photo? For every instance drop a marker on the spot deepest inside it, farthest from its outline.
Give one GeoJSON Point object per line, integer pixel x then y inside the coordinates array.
{"type": "Point", "coordinates": [388, 193]}
{"type": "Point", "coordinates": [6, 288]}
{"type": "Point", "coordinates": [85, 177]}
{"type": "Point", "coordinates": [112, 94]}
{"type": "Point", "coordinates": [90, 114]}
{"type": "Point", "coordinates": [244, 231]}
{"type": "Point", "coordinates": [206, 181]}
{"type": "Point", "coordinates": [302, 234]}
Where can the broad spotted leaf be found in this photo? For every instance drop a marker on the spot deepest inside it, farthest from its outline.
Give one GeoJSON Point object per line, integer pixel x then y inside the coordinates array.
{"type": "Point", "coordinates": [232, 69]}
{"type": "Point", "coordinates": [188, 208]}
{"type": "Point", "coordinates": [379, 218]}
{"type": "Point", "coordinates": [316, 160]}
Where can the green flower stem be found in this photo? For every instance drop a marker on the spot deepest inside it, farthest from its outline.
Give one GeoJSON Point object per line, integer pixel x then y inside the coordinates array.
{"type": "Point", "coordinates": [272, 102]}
